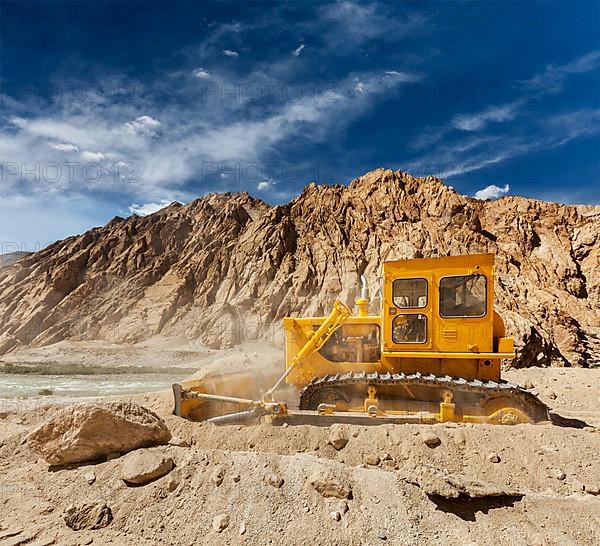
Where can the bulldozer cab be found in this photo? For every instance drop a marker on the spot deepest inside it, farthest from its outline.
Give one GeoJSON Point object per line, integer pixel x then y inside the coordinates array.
{"type": "Point", "coordinates": [439, 304]}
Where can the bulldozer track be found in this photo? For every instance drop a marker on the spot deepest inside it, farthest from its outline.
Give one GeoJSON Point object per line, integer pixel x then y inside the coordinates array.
{"type": "Point", "coordinates": [487, 389]}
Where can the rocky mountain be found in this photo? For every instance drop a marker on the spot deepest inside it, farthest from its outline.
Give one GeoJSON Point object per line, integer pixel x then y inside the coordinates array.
{"type": "Point", "coordinates": [226, 268]}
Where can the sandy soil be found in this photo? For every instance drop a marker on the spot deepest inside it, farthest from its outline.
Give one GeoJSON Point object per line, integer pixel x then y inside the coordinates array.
{"type": "Point", "coordinates": [551, 475]}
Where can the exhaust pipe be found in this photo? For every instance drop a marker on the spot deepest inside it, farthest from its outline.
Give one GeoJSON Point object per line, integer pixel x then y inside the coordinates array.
{"type": "Point", "coordinates": [365, 293]}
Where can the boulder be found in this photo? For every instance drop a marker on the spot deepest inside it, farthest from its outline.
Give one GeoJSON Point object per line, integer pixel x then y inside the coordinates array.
{"type": "Point", "coordinates": [88, 516]}
{"type": "Point", "coordinates": [90, 431]}
{"type": "Point", "coordinates": [145, 465]}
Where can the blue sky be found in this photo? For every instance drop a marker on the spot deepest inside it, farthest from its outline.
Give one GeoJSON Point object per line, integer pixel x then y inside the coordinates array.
{"type": "Point", "coordinates": [108, 108]}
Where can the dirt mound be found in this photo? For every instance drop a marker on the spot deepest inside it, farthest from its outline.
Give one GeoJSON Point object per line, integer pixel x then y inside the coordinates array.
{"type": "Point", "coordinates": [226, 268]}
{"type": "Point", "coordinates": [256, 485]}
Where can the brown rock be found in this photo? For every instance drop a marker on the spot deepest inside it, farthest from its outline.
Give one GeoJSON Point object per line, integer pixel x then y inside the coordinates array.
{"type": "Point", "coordinates": [338, 437]}
{"type": "Point", "coordinates": [178, 442]}
{"type": "Point", "coordinates": [431, 439]}
{"type": "Point", "coordinates": [329, 486]}
{"type": "Point", "coordinates": [92, 430]}
{"type": "Point", "coordinates": [220, 522]}
{"type": "Point", "coordinates": [448, 485]}
{"type": "Point", "coordinates": [274, 480]}
{"type": "Point", "coordinates": [90, 477]}
{"type": "Point", "coordinates": [460, 437]}
{"type": "Point", "coordinates": [218, 476]}
{"type": "Point", "coordinates": [372, 459]}
{"type": "Point", "coordinates": [144, 465]}
{"type": "Point", "coordinates": [88, 516]}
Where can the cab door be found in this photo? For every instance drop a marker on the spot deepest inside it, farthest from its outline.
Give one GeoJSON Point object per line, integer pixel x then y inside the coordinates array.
{"type": "Point", "coordinates": [407, 309]}
{"type": "Point", "coordinates": [464, 313]}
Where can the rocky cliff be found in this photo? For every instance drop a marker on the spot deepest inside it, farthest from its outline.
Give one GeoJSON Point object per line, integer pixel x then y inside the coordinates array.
{"type": "Point", "coordinates": [225, 268]}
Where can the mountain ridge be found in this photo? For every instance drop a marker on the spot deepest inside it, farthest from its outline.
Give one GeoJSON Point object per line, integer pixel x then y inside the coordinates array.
{"type": "Point", "coordinates": [225, 268]}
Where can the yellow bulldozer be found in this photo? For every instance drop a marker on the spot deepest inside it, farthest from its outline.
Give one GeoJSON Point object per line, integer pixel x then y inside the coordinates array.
{"type": "Point", "coordinates": [432, 354]}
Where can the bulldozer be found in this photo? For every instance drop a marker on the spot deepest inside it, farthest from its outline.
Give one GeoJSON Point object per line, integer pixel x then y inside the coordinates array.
{"type": "Point", "coordinates": [433, 354]}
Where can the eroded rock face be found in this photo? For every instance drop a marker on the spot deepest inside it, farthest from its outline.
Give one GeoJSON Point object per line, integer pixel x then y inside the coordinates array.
{"type": "Point", "coordinates": [91, 431]}
{"type": "Point", "coordinates": [452, 486]}
{"type": "Point", "coordinates": [226, 268]}
{"type": "Point", "coordinates": [88, 516]}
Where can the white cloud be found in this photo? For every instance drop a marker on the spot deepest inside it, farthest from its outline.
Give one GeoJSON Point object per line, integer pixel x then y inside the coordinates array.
{"type": "Point", "coordinates": [264, 185]}
{"type": "Point", "coordinates": [64, 147]}
{"type": "Point", "coordinates": [477, 121]}
{"type": "Point", "coordinates": [215, 134]}
{"type": "Point", "coordinates": [231, 53]}
{"type": "Point", "coordinates": [201, 73]}
{"type": "Point", "coordinates": [87, 155]}
{"type": "Point", "coordinates": [492, 192]}
{"type": "Point", "coordinates": [553, 78]}
{"type": "Point", "coordinates": [148, 208]}
{"type": "Point", "coordinates": [144, 126]}
{"type": "Point", "coordinates": [298, 50]}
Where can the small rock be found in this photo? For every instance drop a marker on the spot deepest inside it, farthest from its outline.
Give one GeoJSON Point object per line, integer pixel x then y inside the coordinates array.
{"type": "Point", "coordinates": [528, 385]}
{"type": "Point", "coordinates": [172, 484]}
{"type": "Point", "coordinates": [329, 487]}
{"type": "Point", "coordinates": [591, 489]}
{"type": "Point", "coordinates": [336, 516]}
{"type": "Point", "coordinates": [220, 522]}
{"type": "Point", "coordinates": [144, 465]}
{"type": "Point", "coordinates": [88, 516]}
{"type": "Point", "coordinates": [559, 474]}
{"type": "Point", "coordinates": [217, 477]}
{"type": "Point", "coordinates": [355, 434]}
{"type": "Point", "coordinates": [236, 478]}
{"type": "Point", "coordinates": [382, 534]}
{"type": "Point", "coordinates": [372, 459]}
{"type": "Point", "coordinates": [340, 506]}
{"type": "Point", "coordinates": [493, 458]}
{"type": "Point", "coordinates": [460, 438]}
{"type": "Point", "coordinates": [552, 395]}
{"type": "Point", "coordinates": [243, 527]}
{"type": "Point", "coordinates": [90, 477]}
{"type": "Point", "coordinates": [178, 442]}
{"type": "Point", "coordinates": [431, 439]}
{"type": "Point", "coordinates": [285, 425]}
{"type": "Point", "coordinates": [274, 480]}
{"type": "Point", "coordinates": [338, 437]}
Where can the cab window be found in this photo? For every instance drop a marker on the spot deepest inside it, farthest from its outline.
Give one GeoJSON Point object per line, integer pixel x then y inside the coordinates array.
{"type": "Point", "coordinates": [463, 296]}
{"type": "Point", "coordinates": [410, 293]}
{"type": "Point", "coordinates": [409, 328]}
